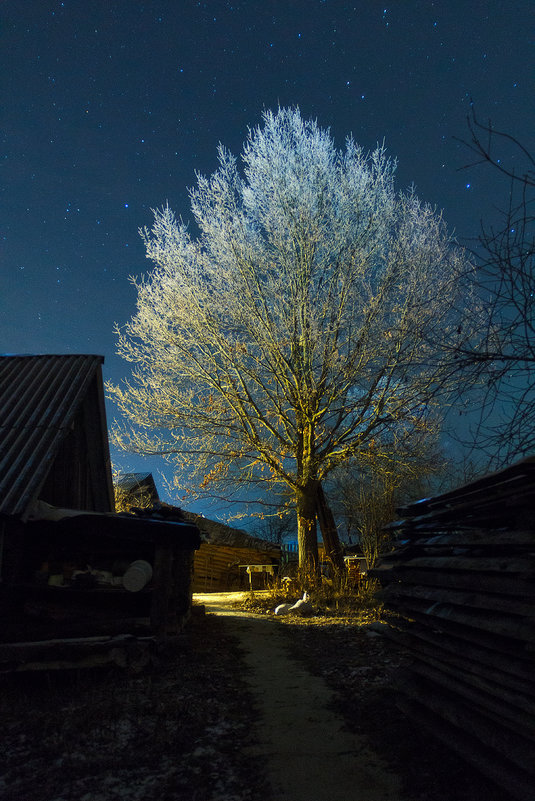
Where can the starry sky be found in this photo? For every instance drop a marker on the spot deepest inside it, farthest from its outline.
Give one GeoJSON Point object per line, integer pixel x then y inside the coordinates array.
{"type": "Point", "coordinates": [110, 107]}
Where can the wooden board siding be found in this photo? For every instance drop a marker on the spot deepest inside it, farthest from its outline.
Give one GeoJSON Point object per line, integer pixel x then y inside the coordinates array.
{"type": "Point", "coordinates": [216, 567]}
{"type": "Point", "coordinates": [464, 591]}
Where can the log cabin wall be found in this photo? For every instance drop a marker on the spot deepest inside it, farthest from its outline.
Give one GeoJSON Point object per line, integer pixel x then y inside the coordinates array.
{"type": "Point", "coordinates": [217, 567]}
{"type": "Point", "coordinates": [462, 582]}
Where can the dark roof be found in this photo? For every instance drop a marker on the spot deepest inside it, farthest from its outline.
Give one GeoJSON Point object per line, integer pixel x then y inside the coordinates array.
{"type": "Point", "coordinates": [131, 482]}
{"type": "Point", "coordinates": [212, 531]}
{"type": "Point", "coordinates": [39, 398]}
{"type": "Point", "coordinates": [141, 528]}
{"type": "Point", "coordinates": [216, 533]}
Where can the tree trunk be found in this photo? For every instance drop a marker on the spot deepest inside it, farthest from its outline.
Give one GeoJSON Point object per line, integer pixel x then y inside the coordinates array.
{"type": "Point", "coordinates": [306, 529]}
{"type": "Point", "coordinates": [329, 532]}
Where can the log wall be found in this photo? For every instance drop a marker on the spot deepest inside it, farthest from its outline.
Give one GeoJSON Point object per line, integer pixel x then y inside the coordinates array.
{"type": "Point", "coordinates": [217, 567]}
{"type": "Point", "coordinates": [462, 582]}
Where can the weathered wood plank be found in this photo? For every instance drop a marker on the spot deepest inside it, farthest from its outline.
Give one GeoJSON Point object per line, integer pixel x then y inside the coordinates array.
{"type": "Point", "coordinates": [484, 704]}
{"type": "Point", "coordinates": [466, 580]}
{"type": "Point", "coordinates": [503, 565]}
{"type": "Point", "coordinates": [522, 629]}
{"type": "Point", "coordinates": [481, 538]}
{"type": "Point", "coordinates": [476, 600]}
{"type": "Point", "coordinates": [517, 672]}
{"type": "Point", "coordinates": [463, 581]}
{"type": "Point", "coordinates": [494, 696]}
{"type": "Point", "coordinates": [516, 781]}
{"type": "Point", "coordinates": [506, 646]}
{"type": "Point", "coordinates": [443, 694]}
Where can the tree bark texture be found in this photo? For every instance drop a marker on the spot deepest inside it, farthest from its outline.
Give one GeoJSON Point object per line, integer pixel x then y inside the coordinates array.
{"type": "Point", "coordinates": [329, 532]}
{"type": "Point", "coordinates": [306, 529]}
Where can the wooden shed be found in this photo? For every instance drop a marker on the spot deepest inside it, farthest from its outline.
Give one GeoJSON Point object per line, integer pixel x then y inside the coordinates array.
{"type": "Point", "coordinates": [230, 559]}
{"type": "Point", "coordinates": [70, 568]}
{"type": "Point", "coordinates": [462, 579]}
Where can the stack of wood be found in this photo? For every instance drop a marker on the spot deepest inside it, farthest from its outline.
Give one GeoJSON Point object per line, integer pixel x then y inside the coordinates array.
{"type": "Point", "coordinates": [462, 582]}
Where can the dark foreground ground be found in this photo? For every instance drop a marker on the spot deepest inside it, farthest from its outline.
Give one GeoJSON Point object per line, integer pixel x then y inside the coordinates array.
{"type": "Point", "coordinates": [184, 730]}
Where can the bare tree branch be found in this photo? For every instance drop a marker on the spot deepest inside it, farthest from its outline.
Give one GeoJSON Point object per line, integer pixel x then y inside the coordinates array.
{"type": "Point", "coordinates": [500, 359]}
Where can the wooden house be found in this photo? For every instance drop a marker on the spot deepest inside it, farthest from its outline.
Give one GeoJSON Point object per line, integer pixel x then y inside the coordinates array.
{"type": "Point", "coordinates": [69, 566]}
{"type": "Point", "coordinates": [462, 582]}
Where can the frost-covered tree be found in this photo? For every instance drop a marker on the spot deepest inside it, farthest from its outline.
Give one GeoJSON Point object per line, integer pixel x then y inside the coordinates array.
{"type": "Point", "coordinates": [302, 325]}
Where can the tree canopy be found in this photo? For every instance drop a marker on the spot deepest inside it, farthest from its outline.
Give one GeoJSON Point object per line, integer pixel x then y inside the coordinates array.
{"type": "Point", "coordinates": [305, 322]}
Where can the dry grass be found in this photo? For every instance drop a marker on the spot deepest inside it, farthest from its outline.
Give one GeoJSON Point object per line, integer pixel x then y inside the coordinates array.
{"type": "Point", "coordinates": [338, 599]}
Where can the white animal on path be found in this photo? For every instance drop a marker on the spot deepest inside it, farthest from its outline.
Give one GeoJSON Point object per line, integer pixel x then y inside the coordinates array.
{"type": "Point", "coordinates": [283, 609]}
{"type": "Point", "coordinates": [300, 607]}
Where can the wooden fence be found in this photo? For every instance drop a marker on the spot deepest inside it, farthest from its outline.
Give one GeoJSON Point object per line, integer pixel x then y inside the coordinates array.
{"type": "Point", "coordinates": [462, 579]}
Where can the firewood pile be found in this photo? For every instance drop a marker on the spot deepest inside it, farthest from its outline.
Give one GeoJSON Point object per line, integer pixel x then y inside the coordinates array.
{"type": "Point", "coordinates": [462, 582]}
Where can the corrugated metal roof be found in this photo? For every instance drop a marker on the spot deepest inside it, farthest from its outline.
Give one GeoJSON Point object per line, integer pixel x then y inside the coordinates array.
{"type": "Point", "coordinates": [39, 397]}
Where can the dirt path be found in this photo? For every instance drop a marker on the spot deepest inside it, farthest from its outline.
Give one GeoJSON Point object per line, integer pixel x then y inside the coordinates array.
{"type": "Point", "coordinates": [310, 755]}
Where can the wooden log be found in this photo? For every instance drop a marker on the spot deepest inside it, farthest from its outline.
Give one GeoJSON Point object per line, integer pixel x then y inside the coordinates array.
{"type": "Point", "coordinates": [75, 652]}
{"type": "Point", "coordinates": [182, 574]}
{"type": "Point", "coordinates": [163, 559]}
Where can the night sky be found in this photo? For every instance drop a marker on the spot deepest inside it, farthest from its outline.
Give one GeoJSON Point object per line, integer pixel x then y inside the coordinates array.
{"type": "Point", "coordinates": [109, 108]}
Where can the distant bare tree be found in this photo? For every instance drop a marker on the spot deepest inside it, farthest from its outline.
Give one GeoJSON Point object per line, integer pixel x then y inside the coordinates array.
{"type": "Point", "coordinates": [500, 357]}
{"type": "Point", "coordinates": [366, 492]}
{"type": "Point", "coordinates": [305, 322]}
{"type": "Point", "coordinates": [275, 527]}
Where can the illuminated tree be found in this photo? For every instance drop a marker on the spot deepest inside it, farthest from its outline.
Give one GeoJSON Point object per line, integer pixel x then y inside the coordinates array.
{"type": "Point", "coordinates": [303, 324]}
